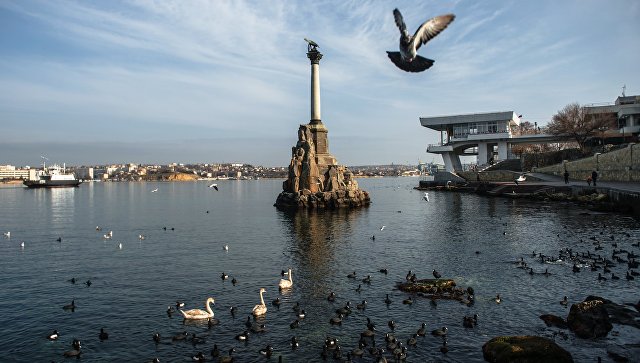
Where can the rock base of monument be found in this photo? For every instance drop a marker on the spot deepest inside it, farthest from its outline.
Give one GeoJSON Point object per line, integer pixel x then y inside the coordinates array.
{"type": "Point", "coordinates": [314, 184]}
{"type": "Point", "coordinates": [340, 199]}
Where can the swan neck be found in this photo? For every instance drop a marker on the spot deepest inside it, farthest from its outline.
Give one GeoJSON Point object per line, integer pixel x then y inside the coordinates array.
{"type": "Point", "coordinates": [261, 298]}
{"type": "Point", "coordinates": [209, 307]}
{"type": "Point", "coordinates": [290, 277]}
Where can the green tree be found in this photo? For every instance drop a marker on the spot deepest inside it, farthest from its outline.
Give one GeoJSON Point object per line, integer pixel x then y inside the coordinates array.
{"type": "Point", "coordinates": [576, 122]}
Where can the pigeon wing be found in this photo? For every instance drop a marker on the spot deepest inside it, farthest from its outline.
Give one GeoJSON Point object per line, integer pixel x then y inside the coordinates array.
{"type": "Point", "coordinates": [399, 21]}
{"type": "Point", "coordinates": [432, 27]}
{"type": "Point", "coordinates": [419, 64]}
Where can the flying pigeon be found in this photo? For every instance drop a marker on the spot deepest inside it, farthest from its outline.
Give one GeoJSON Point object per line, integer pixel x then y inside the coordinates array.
{"type": "Point", "coordinates": [407, 58]}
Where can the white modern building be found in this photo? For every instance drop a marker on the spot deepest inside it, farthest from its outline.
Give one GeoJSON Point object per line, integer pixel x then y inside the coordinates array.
{"type": "Point", "coordinates": [626, 110]}
{"type": "Point", "coordinates": [489, 136]}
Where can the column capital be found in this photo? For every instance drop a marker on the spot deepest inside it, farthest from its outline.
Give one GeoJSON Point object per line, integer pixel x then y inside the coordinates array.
{"type": "Point", "coordinates": [314, 55]}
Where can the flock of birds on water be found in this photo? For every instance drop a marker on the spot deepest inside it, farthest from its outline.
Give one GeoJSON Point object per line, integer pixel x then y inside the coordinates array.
{"type": "Point", "coordinates": [392, 348]}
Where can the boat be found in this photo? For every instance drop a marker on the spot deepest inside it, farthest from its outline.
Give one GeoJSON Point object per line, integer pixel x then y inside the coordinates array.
{"type": "Point", "coordinates": [52, 177]}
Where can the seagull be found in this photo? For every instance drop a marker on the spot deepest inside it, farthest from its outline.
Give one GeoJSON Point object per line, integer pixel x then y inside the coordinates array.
{"type": "Point", "coordinates": [155, 190]}
{"type": "Point", "coordinates": [382, 228]}
{"type": "Point", "coordinates": [521, 178]}
{"type": "Point", "coordinates": [407, 58]}
{"type": "Point", "coordinates": [426, 196]}
{"type": "Point", "coordinates": [141, 237]}
{"type": "Point", "coordinates": [226, 247]}
{"type": "Point", "coordinates": [7, 234]}
{"type": "Point", "coordinates": [214, 186]}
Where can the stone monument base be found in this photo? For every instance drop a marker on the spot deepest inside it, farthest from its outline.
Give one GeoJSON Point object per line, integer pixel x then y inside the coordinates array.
{"type": "Point", "coordinates": [323, 200]}
{"type": "Point", "coordinates": [316, 181]}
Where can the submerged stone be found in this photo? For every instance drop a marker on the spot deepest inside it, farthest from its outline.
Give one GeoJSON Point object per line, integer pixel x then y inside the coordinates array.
{"type": "Point", "coordinates": [524, 349]}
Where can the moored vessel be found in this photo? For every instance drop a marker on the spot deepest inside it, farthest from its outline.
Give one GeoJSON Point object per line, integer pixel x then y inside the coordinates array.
{"type": "Point", "coordinates": [52, 177]}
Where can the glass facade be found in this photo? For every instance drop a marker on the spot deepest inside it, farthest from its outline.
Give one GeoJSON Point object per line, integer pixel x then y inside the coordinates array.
{"type": "Point", "coordinates": [491, 127]}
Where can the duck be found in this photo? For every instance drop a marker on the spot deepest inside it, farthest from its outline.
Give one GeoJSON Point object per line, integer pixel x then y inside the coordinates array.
{"type": "Point", "coordinates": [248, 322]}
{"type": "Point", "coordinates": [261, 308]}
{"type": "Point", "coordinates": [198, 357]}
{"type": "Point", "coordinates": [439, 332]}
{"type": "Point", "coordinates": [422, 331]}
{"type": "Point", "coordinates": [180, 336]}
{"type": "Point", "coordinates": [53, 336]}
{"type": "Point", "coordinates": [564, 301]}
{"type": "Point", "coordinates": [88, 283]}
{"type": "Point", "coordinates": [71, 306]}
{"type": "Point", "coordinates": [75, 352]}
{"type": "Point", "coordinates": [331, 297]}
{"type": "Point", "coordinates": [258, 328]}
{"type": "Point", "coordinates": [407, 301]}
{"type": "Point", "coordinates": [392, 325]}
{"type": "Point", "coordinates": [370, 325]}
{"type": "Point", "coordinates": [301, 314]}
{"type": "Point", "coordinates": [198, 314]}
{"type": "Point", "coordinates": [266, 351]}
{"type": "Point", "coordinates": [295, 324]}
{"type": "Point", "coordinates": [443, 348]}
{"type": "Point", "coordinates": [358, 352]}
{"type": "Point", "coordinates": [614, 277]}
{"type": "Point", "coordinates": [103, 334]}
{"type": "Point", "coordinates": [601, 278]}
{"type": "Point", "coordinates": [387, 300]}
{"type": "Point", "coordinates": [352, 275]}
{"type": "Point", "coordinates": [215, 352]}
{"type": "Point", "coordinates": [296, 307]}
{"type": "Point", "coordinates": [195, 340]}
{"type": "Point", "coordinates": [179, 304]}
{"type": "Point", "coordinates": [286, 284]}
{"type": "Point", "coordinates": [170, 310]}
{"type": "Point", "coordinates": [276, 302]}
{"type": "Point", "coordinates": [294, 342]}
{"type": "Point", "coordinates": [211, 322]}
{"type": "Point", "coordinates": [336, 320]}
{"type": "Point", "coordinates": [156, 337]}
{"type": "Point", "coordinates": [346, 310]}
{"type": "Point", "coordinates": [242, 336]}
{"type": "Point", "coordinates": [436, 274]}
{"type": "Point", "coordinates": [368, 333]}
{"type": "Point", "coordinates": [224, 276]}
{"type": "Point", "coordinates": [497, 299]}
{"type": "Point", "coordinates": [367, 280]}
{"type": "Point", "coordinates": [384, 271]}
{"type": "Point", "coordinates": [359, 288]}
{"type": "Point", "coordinates": [234, 281]}
{"type": "Point", "coordinates": [362, 305]}
{"type": "Point", "coordinates": [233, 310]}
{"type": "Point", "coordinates": [228, 358]}
{"type": "Point", "coordinates": [412, 342]}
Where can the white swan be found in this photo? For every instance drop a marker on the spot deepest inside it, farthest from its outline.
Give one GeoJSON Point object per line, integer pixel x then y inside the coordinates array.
{"type": "Point", "coordinates": [285, 284]}
{"type": "Point", "coordinates": [261, 308]}
{"type": "Point", "coordinates": [195, 314]}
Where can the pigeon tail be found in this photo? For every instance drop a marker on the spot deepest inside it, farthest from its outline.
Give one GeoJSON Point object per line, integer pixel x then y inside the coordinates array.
{"type": "Point", "coordinates": [418, 64]}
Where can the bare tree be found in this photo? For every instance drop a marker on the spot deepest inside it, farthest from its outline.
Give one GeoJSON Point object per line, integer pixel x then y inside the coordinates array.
{"type": "Point", "coordinates": [575, 121]}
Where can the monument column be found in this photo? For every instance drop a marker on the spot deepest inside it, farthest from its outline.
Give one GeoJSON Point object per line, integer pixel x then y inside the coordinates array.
{"type": "Point", "coordinates": [318, 130]}
{"type": "Point", "coordinates": [315, 56]}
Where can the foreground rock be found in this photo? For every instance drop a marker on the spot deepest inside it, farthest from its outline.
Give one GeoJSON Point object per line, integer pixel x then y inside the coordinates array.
{"type": "Point", "coordinates": [524, 349]}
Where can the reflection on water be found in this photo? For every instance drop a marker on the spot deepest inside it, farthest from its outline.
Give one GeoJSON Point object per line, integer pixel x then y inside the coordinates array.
{"type": "Point", "coordinates": [57, 204]}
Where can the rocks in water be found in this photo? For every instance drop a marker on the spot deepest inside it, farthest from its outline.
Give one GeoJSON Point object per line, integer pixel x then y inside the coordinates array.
{"type": "Point", "coordinates": [589, 319]}
{"type": "Point", "coordinates": [524, 349]}
{"type": "Point", "coordinates": [554, 320]}
{"type": "Point", "coordinates": [427, 285]}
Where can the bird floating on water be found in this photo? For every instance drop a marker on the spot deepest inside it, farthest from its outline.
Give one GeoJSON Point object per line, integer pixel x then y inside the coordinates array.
{"type": "Point", "coordinates": [382, 228]}
{"type": "Point", "coordinates": [407, 58]}
{"type": "Point", "coordinates": [7, 234]}
{"type": "Point", "coordinates": [426, 196]}
{"type": "Point", "coordinates": [197, 314]}
{"type": "Point", "coordinates": [155, 190]}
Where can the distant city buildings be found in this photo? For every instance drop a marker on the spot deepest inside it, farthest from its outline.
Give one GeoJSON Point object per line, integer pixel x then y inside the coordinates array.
{"type": "Point", "coordinates": [10, 172]}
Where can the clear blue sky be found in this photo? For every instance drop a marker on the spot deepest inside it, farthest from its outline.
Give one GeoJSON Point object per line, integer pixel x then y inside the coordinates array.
{"type": "Point", "coordinates": [144, 81]}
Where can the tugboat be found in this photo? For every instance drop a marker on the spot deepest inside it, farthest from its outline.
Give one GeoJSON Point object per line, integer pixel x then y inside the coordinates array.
{"type": "Point", "coordinates": [52, 177]}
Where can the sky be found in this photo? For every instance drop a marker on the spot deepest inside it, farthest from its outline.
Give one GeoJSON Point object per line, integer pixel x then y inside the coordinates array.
{"type": "Point", "coordinates": [144, 81]}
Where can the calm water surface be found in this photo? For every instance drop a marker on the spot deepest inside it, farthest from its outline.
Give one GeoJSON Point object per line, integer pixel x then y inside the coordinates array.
{"type": "Point", "coordinates": [133, 286]}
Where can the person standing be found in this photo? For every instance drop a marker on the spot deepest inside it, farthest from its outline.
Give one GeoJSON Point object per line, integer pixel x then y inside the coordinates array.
{"type": "Point", "coordinates": [566, 177]}
{"type": "Point", "coordinates": [594, 177]}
